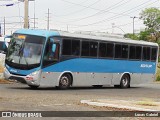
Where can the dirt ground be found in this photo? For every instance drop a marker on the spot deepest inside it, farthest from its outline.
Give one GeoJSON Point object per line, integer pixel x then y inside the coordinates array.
{"type": "Point", "coordinates": [1, 69]}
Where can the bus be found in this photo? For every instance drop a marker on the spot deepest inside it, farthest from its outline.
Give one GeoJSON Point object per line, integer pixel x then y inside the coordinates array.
{"type": "Point", "coordinates": [61, 59]}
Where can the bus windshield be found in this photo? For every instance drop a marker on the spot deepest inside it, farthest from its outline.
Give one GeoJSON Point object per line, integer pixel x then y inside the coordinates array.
{"type": "Point", "coordinates": [25, 51]}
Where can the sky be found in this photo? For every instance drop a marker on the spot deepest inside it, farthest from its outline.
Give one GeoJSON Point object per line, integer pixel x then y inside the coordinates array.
{"type": "Point", "coordinates": [111, 16]}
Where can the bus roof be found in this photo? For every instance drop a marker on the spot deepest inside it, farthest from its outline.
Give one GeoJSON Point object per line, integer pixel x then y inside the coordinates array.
{"type": "Point", "coordinates": [37, 32]}
{"type": "Point", "coordinates": [46, 33]}
{"type": "Point", "coordinates": [107, 38]}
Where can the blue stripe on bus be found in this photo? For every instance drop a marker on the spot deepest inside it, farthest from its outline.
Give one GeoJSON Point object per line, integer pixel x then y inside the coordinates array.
{"type": "Point", "coordinates": [102, 66]}
{"type": "Point", "coordinates": [94, 65]}
{"type": "Point", "coordinates": [21, 72]}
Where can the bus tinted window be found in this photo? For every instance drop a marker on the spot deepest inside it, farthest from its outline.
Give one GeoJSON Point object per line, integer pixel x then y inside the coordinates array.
{"type": "Point", "coordinates": [102, 50]}
{"type": "Point", "coordinates": [76, 47]}
{"type": "Point", "coordinates": [110, 50]}
{"type": "Point", "coordinates": [146, 53]}
{"type": "Point", "coordinates": [66, 47]}
{"type": "Point", "coordinates": [135, 52]}
{"type": "Point", "coordinates": [85, 48]}
{"type": "Point", "coordinates": [118, 51]}
{"type": "Point", "coordinates": [125, 51]}
{"type": "Point", "coordinates": [106, 50]}
{"type": "Point", "coordinates": [132, 52]}
{"type": "Point", "coordinates": [154, 54]}
{"type": "Point", "coordinates": [93, 49]}
{"type": "Point", "coordinates": [138, 52]}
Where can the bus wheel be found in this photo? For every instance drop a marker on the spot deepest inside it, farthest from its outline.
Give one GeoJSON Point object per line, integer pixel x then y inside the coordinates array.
{"type": "Point", "coordinates": [125, 81]}
{"type": "Point", "coordinates": [65, 81]}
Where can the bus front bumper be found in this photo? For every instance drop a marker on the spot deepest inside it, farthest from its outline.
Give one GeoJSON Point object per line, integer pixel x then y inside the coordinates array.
{"type": "Point", "coordinates": [29, 79]}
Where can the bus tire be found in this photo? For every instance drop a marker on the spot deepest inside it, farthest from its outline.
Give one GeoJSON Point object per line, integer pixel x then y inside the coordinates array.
{"type": "Point", "coordinates": [125, 81]}
{"type": "Point", "coordinates": [65, 81]}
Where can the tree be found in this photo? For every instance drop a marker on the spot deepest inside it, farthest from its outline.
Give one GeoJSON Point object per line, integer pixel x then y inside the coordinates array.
{"type": "Point", "coordinates": [131, 36]}
{"type": "Point", "coordinates": [151, 18]}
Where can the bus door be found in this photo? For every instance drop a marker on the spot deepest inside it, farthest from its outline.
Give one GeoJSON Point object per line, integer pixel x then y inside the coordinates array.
{"type": "Point", "coordinates": [51, 57]}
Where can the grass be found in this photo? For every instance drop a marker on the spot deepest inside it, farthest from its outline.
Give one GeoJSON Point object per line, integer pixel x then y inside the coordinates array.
{"type": "Point", "coordinates": [158, 74]}
{"type": "Point", "coordinates": [2, 81]}
{"type": "Point", "coordinates": [146, 102]}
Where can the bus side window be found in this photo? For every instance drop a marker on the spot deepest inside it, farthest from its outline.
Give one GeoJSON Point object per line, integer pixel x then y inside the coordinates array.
{"type": "Point", "coordinates": [102, 50]}
{"type": "Point", "coordinates": [132, 52]}
{"type": "Point", "coordinates": [93, 49]}
{"type": "Point", "coordinates": [118, 51]}
{"type": "Point", "coordinates": [138, 52]}
{"type": "Point", "coordinates": [76, 47]}
{"type": "Point", "coordinates": [85, 48]}
{"type": "Point", "coordinates": [110, 50]}
{"type": "Point", "coordinates": [154, 54]}
{"type": "Point", "coordinates": [67, 47]}
{"type": "Point", "coordinates": [51, 54]}
{"type": "Point", "coordinates": [146, 53]}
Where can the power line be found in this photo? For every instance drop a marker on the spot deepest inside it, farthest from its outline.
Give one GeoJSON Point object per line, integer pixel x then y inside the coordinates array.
{"type": "Point", "coordinates": [75, 12]}
{"type": "Point", "coordinates": [114, 17]}
{"type": "Point", "coordinates": [104, 11]}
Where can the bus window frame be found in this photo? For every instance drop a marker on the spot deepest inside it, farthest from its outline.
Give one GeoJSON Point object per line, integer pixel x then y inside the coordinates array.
{"type": "Point", "coordinates": [107, 42]}
{"type": "Point", "coordinates": [59, 42]}
{"type": "Point", "coordinates": [120, 43]}
{"type": "Point", "coordinates": [142, 53]}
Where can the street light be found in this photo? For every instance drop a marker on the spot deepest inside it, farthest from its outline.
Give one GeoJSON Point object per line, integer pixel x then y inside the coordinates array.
{"type": "Point", "coordinates": [133, 22]}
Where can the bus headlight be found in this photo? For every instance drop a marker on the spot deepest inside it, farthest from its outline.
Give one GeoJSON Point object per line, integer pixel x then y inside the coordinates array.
{"type": "Point", "coordinates": [33, 76]}
{"type": "Point", "coordinates": [34, 73]}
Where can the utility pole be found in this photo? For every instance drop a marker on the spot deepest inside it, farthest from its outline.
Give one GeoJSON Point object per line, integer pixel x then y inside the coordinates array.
{"type": "Point", "coordinates": [26, 21]}
{"type": "Point", "coordinates": [4, 26]}
{"type": "Point", "coordinates": [0, 30]}
{"type": "Point", "coordinates": [26, 6]}
{"type": "Point", "coordinates": [48, 19]}
{"type": "Point", "coordinates": [133, 22]}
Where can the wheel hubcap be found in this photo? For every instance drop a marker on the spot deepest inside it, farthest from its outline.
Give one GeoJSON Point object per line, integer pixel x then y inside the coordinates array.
{"type": "Point", "coordinates": [125, 81]}
{"type": "Point", "coordinates": [64, 81]}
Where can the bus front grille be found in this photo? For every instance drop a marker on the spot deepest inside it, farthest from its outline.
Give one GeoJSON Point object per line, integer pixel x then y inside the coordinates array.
{"type": "Point", "coordinates": [19, 79]}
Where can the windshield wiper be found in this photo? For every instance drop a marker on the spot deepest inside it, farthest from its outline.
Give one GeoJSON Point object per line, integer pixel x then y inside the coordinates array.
{"type": "Point", "coordinates": [20, 54]}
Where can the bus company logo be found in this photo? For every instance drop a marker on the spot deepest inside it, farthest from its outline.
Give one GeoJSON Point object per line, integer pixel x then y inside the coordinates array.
{"type": "Point", "coordinates": [146, 66]}
{"type": "Point", "coordinates": [6, 114]}
{"type": "Point", "coordinates": [14, 70]}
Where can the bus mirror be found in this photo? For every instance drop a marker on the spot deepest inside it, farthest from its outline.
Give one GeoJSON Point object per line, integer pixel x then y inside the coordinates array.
{"type": "Point", "coordinates": [51, 40]}
{"type": "Point", "coordinates": [53, 47]}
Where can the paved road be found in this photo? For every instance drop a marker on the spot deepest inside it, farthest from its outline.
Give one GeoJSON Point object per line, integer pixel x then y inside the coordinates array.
{"type": "Point", "coordinates": [19, 97]}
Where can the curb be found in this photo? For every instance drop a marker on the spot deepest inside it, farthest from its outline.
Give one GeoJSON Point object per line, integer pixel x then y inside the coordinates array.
{"type": "Point", "coordinates": [99, 104]}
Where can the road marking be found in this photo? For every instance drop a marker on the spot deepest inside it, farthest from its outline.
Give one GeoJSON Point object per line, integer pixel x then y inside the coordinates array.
{"type": "Point", "coordinates": [58, 104]}
{"type": "Point", "coordinates": [69, 104]}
